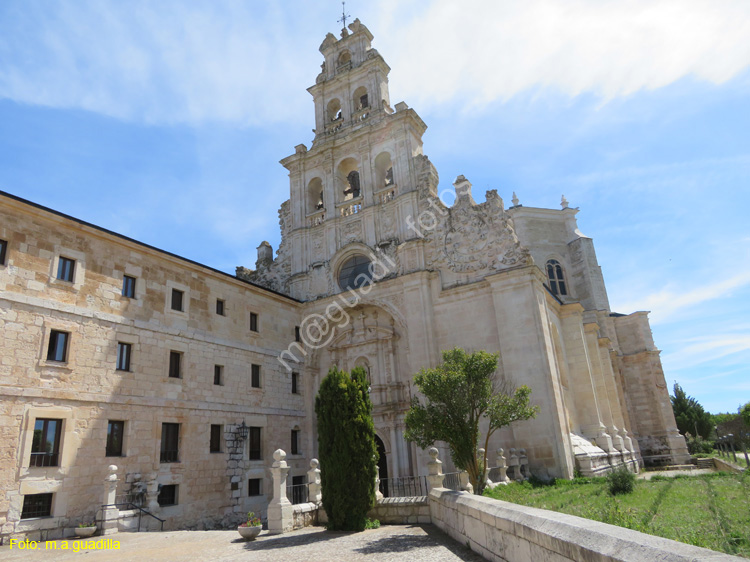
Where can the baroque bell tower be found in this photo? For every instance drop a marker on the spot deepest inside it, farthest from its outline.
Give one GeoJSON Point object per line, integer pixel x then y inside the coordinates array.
{"type": "Point", "coordinates": [350, 192]}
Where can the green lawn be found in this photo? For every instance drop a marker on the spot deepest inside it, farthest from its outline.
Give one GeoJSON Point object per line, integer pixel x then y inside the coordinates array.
{"type": "Point", "coordinates": [712, 510]}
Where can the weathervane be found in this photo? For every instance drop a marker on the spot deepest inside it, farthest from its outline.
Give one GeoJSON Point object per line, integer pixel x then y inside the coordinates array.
{"type": "Point", "coordinates": [344, 15]}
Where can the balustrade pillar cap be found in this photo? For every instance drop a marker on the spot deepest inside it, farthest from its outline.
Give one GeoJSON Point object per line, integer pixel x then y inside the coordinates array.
{"type": "Point", "coordinates": [279, 455]}
{"type": "Point", "coordinates": [433, 452]}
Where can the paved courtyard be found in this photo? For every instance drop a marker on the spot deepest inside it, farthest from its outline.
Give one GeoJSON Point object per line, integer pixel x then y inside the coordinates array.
{"type": "Point", "coordinates": [416, 543]}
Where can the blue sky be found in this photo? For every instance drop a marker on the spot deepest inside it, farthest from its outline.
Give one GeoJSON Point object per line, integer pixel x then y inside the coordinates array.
{"type": "Point", "coordinates": [165, 121]}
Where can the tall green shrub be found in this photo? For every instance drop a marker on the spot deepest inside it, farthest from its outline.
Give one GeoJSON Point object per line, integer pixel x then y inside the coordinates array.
{"type": "Point", "coordinates": [346, 443]}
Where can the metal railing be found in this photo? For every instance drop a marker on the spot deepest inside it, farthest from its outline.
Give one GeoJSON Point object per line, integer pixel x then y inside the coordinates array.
{"type": "Point", "coordinates": [404, 487]}
{"type": "Point", "coordinates": [44, 459]}
{"type": "Point", "coordinates": [126, 506]}
{"type": "Point", "coordinates": [452, 481]}
{"type": "Point", "coordinates": [297, 493]}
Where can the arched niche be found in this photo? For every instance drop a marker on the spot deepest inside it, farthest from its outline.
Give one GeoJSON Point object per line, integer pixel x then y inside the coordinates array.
{"type": "Point", "coordinates": [383, 171]}
{"type": "Point", "coordinates": [349, 180]}
{"type": "Point", "coordinates": [344, 58]}
{"type": "Point", "coordinates": [315, 200]}
{"type": "Point", "coordinates": [360, 99]}
{"type": "Point", "coordinates": [333, 110]}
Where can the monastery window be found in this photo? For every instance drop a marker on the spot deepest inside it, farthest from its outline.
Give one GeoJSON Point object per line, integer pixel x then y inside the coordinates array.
{"type": "Point", "coordinates": [58, 346]}
{"type": "Point", "coordinates": [295, 383]}
{"type": "Point", "coordinates": [115, 435]}
{"type": "Point", "coordinates": [218, 375]}
{"type": "Point", "coordinates": [128, 286]}
{"type": "Point", "coordinates": [295, 442]}
{"type": "Point", "coordinates": [383, 170]}
{"type": "Point", "coordinates": [361, 100]}
{"type": "Point", "coordinates": [175, 365]}
{"type": "Point", "coordinates": [3, 251]}
{"type": "Point", "coordinates": [253, 322]}
{"type": "Point", "coordinates": [215, 442]}
{"type": "Point", "coordinates": [220, 307]}
{"type": "Point", "coordinates": [170, 443]}
{"type": "Point", "coordinates": [254, 445]}
{"type": "Point", "coordinates": [177, 299]}
{"type": "Point", "coordinates": [355, 273]}
{"type": "Point", "coordinates": [45, 446]}
{"type": "Point", "coordinates": [255, 376]}
{"type": "Point", "coordinates": [556, 278]}
{"type": "Point", "coordinates": [36, 505]}
{"type": "Point", "coordinates": [334, 110]}
{"type": "Point", "coordinates": [348, 180]}
{"type": "Point", "coordinates": [352, 190]}
{"type": "Point", "coordinates": [254, 487]}
{"type": "Point", "coordinates": [66, 269]}
{"type": "Point", "coordinates": [167, 495]}
{"type": "Point", "coordinates": [124, 352]}
{"type": "Point", "coordinates": [297, 336]}
{"type": "Point", "coordinates": [315, 195]}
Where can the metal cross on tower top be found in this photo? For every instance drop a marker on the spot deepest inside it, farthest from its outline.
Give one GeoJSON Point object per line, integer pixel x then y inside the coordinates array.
{"type": "Point", "coordinates": [344, 15]}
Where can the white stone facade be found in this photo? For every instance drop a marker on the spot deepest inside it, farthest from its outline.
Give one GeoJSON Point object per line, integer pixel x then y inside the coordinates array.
{"type": "Point", "coordinates": [449, 273]}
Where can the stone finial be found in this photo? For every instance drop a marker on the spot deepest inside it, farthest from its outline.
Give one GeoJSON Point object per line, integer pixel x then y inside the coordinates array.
{"type": "Point", "coordinates": [279, 457]}
{"type": "Point", "coordinates": [435, 469]}
{"type": "Point", "coordinates": [433, 452]}
{"type": "Point", "coordinates": [313, 482]}
{"type": "Point", "coordinates": [378, 493]}
{"type": "Point", "coordinates": [265, 254]}
{"type": "Point", "coordinates": [523, 465]}
{"type": "Point", "coordinates": [515, 199]}
{"type": "Point", "coordinates": [502, 468]}
{"type": "Point", "coordinates": [564, 202]}
{"type": "Point", "coordinates": [464, 483]}
{"type": "Point", "coordinates": [280, 510]}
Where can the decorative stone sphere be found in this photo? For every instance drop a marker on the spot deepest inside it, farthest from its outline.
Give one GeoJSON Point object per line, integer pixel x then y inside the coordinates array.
{"type": "Point", "coordinates": [112, 468]}
{"type": "Point", "coordinates": [314, 463]}
{"type": "Point", "coordinates": [433, 452]}
{"type": "Point", "coordinates": [279, 455]}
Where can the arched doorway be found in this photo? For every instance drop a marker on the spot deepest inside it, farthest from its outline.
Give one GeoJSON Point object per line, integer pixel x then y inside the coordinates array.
{"type": "Point", "coordinates": [382, 466]}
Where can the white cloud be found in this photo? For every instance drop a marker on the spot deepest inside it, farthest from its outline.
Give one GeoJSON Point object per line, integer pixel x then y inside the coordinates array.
{"type": "Point", "coordinates": [707, 349]}
{"type": "Point", "coordinates": [178, 62]}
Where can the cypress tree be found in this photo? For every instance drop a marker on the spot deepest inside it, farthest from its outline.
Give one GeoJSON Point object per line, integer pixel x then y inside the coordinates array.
{"type": "Point", "coordinates": [346, 443]}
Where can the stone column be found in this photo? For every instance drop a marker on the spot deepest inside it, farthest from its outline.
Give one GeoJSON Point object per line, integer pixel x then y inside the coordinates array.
{"type": "Point", "coordinates": [395, 465]}
{"type": "Point", "coordinates": [152, 493]}
{"type": "Point", "coordinates": [110, 513]}
{"type": "Point", "coordinates": [314, 494]}
{"type": "Point", "coordinates": [435, 469]}
{"type": "Point", "coordinates": [501, 466]}
{"type": "Point", "coordinates": [280, 510]}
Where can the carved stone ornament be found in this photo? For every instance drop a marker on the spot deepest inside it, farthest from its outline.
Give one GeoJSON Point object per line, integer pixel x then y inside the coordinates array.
{"type": "Point", "coordinates": [352, 232]}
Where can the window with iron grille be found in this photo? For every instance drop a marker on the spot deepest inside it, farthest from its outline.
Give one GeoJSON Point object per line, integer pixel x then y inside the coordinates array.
{"type": "Point", "coordinates": [3, 251]}
{"type": "Point", "coordinates": [215, 444]}
{"type": "Point", "coordinates": [253, 322]}
{"type": "Point", "coordinates": [45, 445]}
{"type": "Point", "coordinates": [177, 298]}
{"type": "Point", "coordinates": [115, 434]}
{"type": "Point", "coordinates": [295, 442]}
{"type": "Point", "coordinates": [254, 444]}
{"type": "Point", "coordinates": [124, 351]}
{"type": "Point", "coordinates": [170, 442]}
{"type": "Point", "coordinates": [218, 375]}
{"type": "Point", "coordinates": [295, 383]}
{"type": "Point", "coordinates": [255, 376]}
{"type": "Point", "coordinates": [167, 495]}
{"type": "Point", "coordinates": [58, 346]}
{"type": "Point", "coordinates": [254, 487]}
{"type": "Point", "coordinates": [66, 269]}
{"type": "Point", "coordinates": [128, 286]}
{"type": "Point", "coordinates": [175, 359]}
{"type": "Point", "coordinates": [36, 505]}
{"type": "Point", "coordinates": [220, 307]}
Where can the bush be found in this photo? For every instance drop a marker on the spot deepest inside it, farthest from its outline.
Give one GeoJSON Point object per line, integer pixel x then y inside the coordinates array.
{"type": "Point", "coordinates": [698, 445]}
{"type": "Point", "coordinates": [620, 481]}
{"type": "Point", "coordinates": [346, 440]}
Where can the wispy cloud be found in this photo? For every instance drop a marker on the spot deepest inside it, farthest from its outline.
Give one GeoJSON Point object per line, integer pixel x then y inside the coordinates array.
{"type": "Point", "coordinates": [708, 349]}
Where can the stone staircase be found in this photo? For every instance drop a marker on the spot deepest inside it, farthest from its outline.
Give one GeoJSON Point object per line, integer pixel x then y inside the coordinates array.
{"type": "Point", "coordinates": [705, 463]}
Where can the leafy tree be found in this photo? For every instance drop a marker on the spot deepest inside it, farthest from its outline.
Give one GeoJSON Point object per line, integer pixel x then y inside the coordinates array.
{"type": "Point", "coordinates": [459, 393]}
{"type": "Point", "coordinates": [690, 415]}
{"type": "Point", "coordinates": [745, 413]}
{"type": "Point", "coordinates": [346, 442]}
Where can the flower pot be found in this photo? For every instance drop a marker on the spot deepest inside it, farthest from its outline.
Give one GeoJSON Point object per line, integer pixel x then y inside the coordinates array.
{"type": "Point", "coordinates": [249, 533]}
{"type": "Point", "coordinates": [85, 531]}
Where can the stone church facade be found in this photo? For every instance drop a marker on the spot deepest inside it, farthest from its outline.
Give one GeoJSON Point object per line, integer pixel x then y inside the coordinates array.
{"type": "Point", "coordinates": [187, 378]}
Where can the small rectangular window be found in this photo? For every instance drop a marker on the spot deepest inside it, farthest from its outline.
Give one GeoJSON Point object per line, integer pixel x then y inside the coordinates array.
{"type": "Point", "coordinates": [36, 505]}
{"type": "Point", "coordinates": [218, 375]}
{"type": "Point", "coordinates": [295, 441]}
{"type": "Point", "coordinates": [255, 376]}
{"type": "Point", "coordinates": [3, 251]}
{"type": "Point", "coordinates": [253, 322]}
{"type": "Point", "coordinates": [128, 286]}
{"type": "Point", "coordinates": [115, 434]}
{"type": "Point", "coordinates": [177, 297]}
{"type": "Point", "coordinates": [253, 487]}
{"type": "Point", "coordinates": [215, 444]}
{"type": "Point", "coordinates": [220, 307]}
{"type": "Point", "coordinates": [170, 442]}
{"type": "Point", "coordinates": [295, 383]}
{"type": "Point", "coordinates": [254, 444]}
{"type": "Point", "coordinates": [167, 495]}
{"type": "Point", "coordinates": [124, 351]}
{"type": "Point", "coordinates": [66, 269]}
{"type": "Point", "coordinates": [45, 445]}
{"type": "Point", "coordinates": [58, 346]}
{"type": "Point", "coordinates": [297, 334]}
{"type": "Point", "coordinates": [175, 371]}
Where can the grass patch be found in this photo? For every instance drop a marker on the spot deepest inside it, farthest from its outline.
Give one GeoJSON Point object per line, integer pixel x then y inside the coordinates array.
{"type": "Point", "coordinates": [711, 510]}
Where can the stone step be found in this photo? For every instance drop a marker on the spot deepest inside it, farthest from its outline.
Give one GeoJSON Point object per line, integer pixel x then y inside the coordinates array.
{"type": "Point", "coordinates": [705, 463]}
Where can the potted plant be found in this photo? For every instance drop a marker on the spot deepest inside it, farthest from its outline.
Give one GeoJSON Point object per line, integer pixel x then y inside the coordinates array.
{"type": "Point", "coordinates": [86, 529]}
{"type": "Point", "coordinates": [251, 528]}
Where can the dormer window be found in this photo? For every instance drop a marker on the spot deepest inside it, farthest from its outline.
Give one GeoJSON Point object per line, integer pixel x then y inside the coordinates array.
{"type": "Point", "coordinates": [556, 278]}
